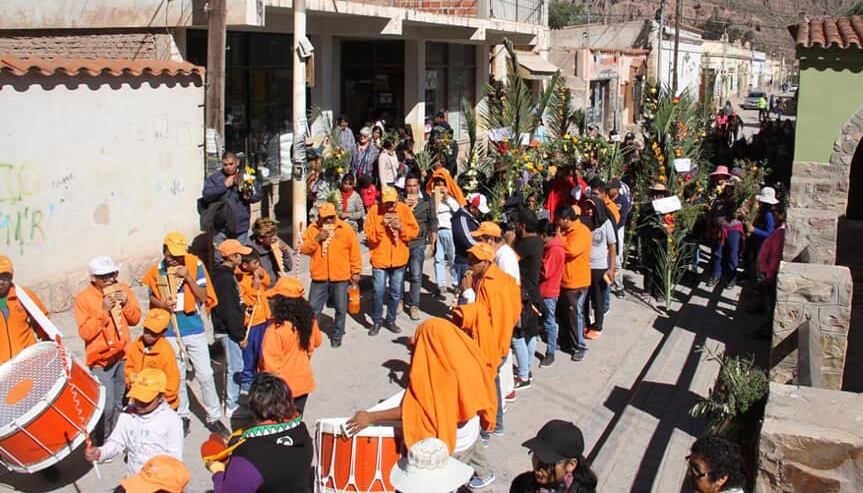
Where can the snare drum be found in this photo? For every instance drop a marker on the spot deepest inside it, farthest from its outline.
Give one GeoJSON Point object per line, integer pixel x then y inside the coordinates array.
{"type": "Point", "coordinates": [360, 463]}
{"type": "Point", "coordinates": [43, 415]}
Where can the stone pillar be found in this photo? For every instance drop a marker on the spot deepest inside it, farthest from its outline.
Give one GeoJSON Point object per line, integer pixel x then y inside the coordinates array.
{"type": "Point", "coordinates": [811, 440]}
{"type": "Point", "coordinates": [415, 88]}
{"type": "Point", "coordinates": [811, 236]}
{"type": "Point", "coordinates": [813, 301]}
{"type": "Point", "coordinates": [819, 186]}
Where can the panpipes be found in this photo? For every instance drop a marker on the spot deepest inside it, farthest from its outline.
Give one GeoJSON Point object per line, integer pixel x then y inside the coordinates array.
{"type": "Point", "coordinates": [330, 229]}
{"type": "Point", "coordinates": [111, 291]}
{"type": "Point", "coordinates": [169, 287]}
{"type": "Point", "coordinates": [389, 217]}
{"type": "Point", "coordinates": [276, 248]}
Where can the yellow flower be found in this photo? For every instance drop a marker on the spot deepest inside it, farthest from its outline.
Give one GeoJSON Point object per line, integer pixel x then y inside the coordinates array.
{"type": "Point", "coordinates": [662, 179]}
{"type": "Point", "coordinates": [539, 167]}
{"type": "Point", "coordinates": [754, 169]}
{"type": "Point", "coordinates": [662, 169]}
{"type": "Point", "coordinates": [567, 137]}
{"type": "Point", "coordinates": [339, 170]}
{"type": "Point", "coordinates": [552, 170]}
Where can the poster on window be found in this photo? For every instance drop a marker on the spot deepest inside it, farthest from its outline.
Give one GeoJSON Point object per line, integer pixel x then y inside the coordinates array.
{"type": "Point", "coordinates": [431, 79]}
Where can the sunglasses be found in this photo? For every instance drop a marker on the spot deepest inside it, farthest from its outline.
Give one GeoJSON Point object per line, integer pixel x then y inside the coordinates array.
{"type": "Point", "coordinates": [693, 469]}
{"type": "Point", "coordinates": [107, 277]}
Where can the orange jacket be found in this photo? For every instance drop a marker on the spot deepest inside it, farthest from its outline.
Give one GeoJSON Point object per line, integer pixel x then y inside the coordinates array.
{"type": "Point", "coordinates": [451, 186]}
{"type": "Point", "coordinates": [448, 385]}
{"type": "Point", "coordinates": [191, 262]}
{"type": "Point", "coordinates": [576, 247]}
{"type": "Point", "coordinates": [343, 255]}
{"type": "Point", "coordinates": [105, 344]}
{"type": "Point", "coordinates": [491, 319]}
{"type": "Point", "coordinates": [613, 209]}
{"type": "Point", "coordinates": [161, 357]}
{"type": "Point", "coordinates": [281, 355]}
{"type": "Point", "coordinates": [254, 298]}
{"type": "Point", "coordinates": [385, 249]}
{"type": "Point", "coordinates": [16, 330]}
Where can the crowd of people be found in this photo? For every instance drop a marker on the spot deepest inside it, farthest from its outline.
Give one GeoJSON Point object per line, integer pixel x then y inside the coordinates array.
{"type": "Point", "coordinates": [545, 270]}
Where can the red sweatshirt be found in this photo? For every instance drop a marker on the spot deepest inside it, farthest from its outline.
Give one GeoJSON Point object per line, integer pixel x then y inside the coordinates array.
{"type": "Point", "coordinates": [553, 260]}
{"type": "Point", "coordinates": [771, 253]}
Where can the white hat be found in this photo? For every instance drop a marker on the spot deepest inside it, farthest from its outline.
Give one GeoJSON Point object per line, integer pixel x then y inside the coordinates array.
{"type": "Point", "coordinates": [428, 468]}
{"type": "Point", "coordinates": [767, 196]}
{"type": "Point", "coordinates": [101, 265]}
{"type": "Point", "coordinates": [479, 201]}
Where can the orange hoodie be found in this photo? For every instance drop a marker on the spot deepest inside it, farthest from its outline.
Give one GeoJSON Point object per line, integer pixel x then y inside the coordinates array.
{"type": "Point", "coordinates": [343, 255]}
{"type": "Point", "coordinates": [613, 209]}
{"type": "Point", "coordinates": [160, 356]}
{"type": "Point", "coordinates": [448, 385]}
{"type": "Point", "coordinates": [491, 319]}
{"type": "Point", "coordinates": [16, 330]}
{"type": "Point", "coordinates": [281, 355]}
{"type": "Point", "coordinates": [386, 250]}
{"type": "Point", "coordinates": [451, 187]}
{"type": "Point", "coordinates": [254, 298]}
{"type": "Point", "coordinates": [104, 342]}
{"type": "Point", "coordinates": [576, 247]}
{"type": "Point", "coordinates": [191, 262]}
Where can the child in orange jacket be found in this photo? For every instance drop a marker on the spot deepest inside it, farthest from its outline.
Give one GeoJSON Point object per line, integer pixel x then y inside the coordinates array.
{"type": "Point", "coordinates": [152, 350]}
{"type": "Point", "coordinates": [253, 281]}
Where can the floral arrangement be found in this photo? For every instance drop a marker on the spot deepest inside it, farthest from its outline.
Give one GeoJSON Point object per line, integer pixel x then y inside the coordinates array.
{"type": "Point", "coordinates": [247, 180]}
{"type": "Point", "coordinates": [335, 160]}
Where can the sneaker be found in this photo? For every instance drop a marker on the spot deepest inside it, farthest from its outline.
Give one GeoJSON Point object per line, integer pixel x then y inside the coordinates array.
{"type": "Point", "coordinates": [731, 284]}
{"type": "Point", "coordinates": [230, 411]}
{"type": "Point", "coordinates": [238, 412]}
{"type": "Point", "coordinates": [376, 327]}
{"type": "Point", "coordinates": [336, 342]}
{"type": "Point", "coordinates": [218, 428]}
{"type": "Point", "coordinates": [547, 361]}
{"type": "Point", "coordinates": [593, 334]}
{"type": "Point", "coordinates": [510, 397]}
{"type": "Point", "coordinates": [620, 294]}
{"type": "Point", "coordinates": [578, 354]}
{"type": "Point", "coordinates": [392, 327]}
{"type": "Point", "coordinates": [414, 313]}
{"type": "Point", "coordinates": [522, 384]}
{"type": "Point", "coordinates": [477, 482]}
{"type": "Point", "coordinates": [712, 282]}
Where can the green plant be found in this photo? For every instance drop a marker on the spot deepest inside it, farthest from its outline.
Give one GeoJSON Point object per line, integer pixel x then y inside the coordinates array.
{"type": "Point", "coordinates": [562, 13]}
{"type": "Point", "coordinates": [856, 9]}
{"type": "Point", "coordinates": [673, 254]}
{"type": "Point", "coordinates": [741, 390]}
{"type": "Point", "coordinates": [424, 161]}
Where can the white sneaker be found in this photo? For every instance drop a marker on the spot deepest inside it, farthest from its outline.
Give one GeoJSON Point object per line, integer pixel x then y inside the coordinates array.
{"type": "Point", "coordinates": [239, 412]}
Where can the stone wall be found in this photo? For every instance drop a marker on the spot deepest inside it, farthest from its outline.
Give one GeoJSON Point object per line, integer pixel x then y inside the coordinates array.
{"type": "Point", "coordinates": [819, 186]}
{"type": "Point", "coordinates": [811, 236]}
{"type": "Point", "coordinates": [811, 441]}
{"type": "Point", "coordinates": [813, 303]}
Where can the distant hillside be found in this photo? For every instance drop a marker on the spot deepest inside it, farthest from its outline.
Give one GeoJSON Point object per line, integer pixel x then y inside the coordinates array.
{"type": "Point", "coordinates": [761, 21]}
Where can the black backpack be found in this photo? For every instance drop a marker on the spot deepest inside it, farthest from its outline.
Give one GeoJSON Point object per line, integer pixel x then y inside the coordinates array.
{"type": "Point", "coordinates": [216, 216]}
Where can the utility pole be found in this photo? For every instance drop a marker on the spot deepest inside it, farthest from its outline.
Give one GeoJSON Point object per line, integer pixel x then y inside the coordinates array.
{"type": "Point", "coordinates": [214, 100]}
{"type": "Point", "coordinates": [659, 43]}
{"type": "Point", "coordinates": [298, 188]}
{"type": "Point", "coordinates": [678, 11]}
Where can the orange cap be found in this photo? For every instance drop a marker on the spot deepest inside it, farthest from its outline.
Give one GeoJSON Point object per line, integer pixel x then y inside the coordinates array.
{"type": "Point", "coordinates": [157, 320]}
{"type": "Point", "coordinates": [160, 473]}
{"type": "Point", "coordinates": [230, 247]}
{"type": "Point", "coordinates": [6, 265]}
{"type": "Point", "coordinates": [288, 287]}
{"type": "Point", "coordinates": [389, 194]}
{"type": "Point", "coordinates": [148, 384]}
{"type": "Point", "coordinates": [487, 228]}
{"type": "Point", "coordinates": [327, 209]}
{"type": "Point", "coordinates": [177, 243]}
{"type": "Point", "coordinates": [482, 251]}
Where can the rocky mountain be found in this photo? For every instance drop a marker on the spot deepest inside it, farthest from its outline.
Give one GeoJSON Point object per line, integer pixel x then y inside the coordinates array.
{"type": "Point", "coordinates": [762, 22]}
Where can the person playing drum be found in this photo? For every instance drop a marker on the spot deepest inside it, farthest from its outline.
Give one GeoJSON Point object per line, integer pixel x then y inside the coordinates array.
{"type": "Point", "coordinates": [105, 310]}
{"type": "Point", "coordinates": [274, 455]}
{"type": "Point", "coordinates": [16, 326]}
{"type": "Point", "coordinates": [148, 427]}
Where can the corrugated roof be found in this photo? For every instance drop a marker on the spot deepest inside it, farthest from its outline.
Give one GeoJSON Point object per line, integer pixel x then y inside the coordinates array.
{"type": "Point", "coordinates": [826, 32]}
{"type": "Point", "coordinates": [95, 66]}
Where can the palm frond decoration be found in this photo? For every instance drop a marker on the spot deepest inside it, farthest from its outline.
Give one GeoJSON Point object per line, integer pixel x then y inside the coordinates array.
{"type": "Point", "coordinates": [517, 104]}
{"type": "Point", "coordinates": [560, 117]}
{"type": "Point", "coordinates": [547, 100]}
{"type": "Point", "coordinates": [579, 118]}
{"type": "Point", "coordinates": [469, 122]}
{"type": "Point", "coordinates": [424, 161]}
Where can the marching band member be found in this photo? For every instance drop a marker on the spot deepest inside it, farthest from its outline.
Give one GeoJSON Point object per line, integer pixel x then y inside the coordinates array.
{"type": "Point", "coordinates": [265, 241]}
{"type": "Point", "coordinates": [105, 310]}
{"type": "Point", "coordinates": [152, 350]}
{"type": "Point", "coordinates": [16, 326]}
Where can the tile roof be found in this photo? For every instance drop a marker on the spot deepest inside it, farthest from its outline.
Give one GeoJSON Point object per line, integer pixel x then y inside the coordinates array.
{"type": "Point", "coordinates": [826, 32]}
{"type": "Point", "coordinates": [11, 65]}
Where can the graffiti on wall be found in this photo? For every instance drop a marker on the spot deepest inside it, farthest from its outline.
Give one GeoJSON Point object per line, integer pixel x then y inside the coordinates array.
{"type": "Point", "coordinates": [22, 220]}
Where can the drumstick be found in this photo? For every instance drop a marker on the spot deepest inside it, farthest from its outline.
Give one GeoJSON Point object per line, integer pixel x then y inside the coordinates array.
{"type": "Point", "coordinates": [252, 316]}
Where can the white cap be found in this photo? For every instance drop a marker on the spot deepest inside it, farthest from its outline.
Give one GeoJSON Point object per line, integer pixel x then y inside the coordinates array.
{"type": "Point", "coordinates": [428, 468]}
{"type": "Point", "coordinates": [101, 265]}
{"type": "Point", "coordinates": [479, 201]}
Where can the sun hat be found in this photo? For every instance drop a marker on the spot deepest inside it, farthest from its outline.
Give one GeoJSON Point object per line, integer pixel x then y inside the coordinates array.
{"type": "Point", "coordinates": [479, 201]}
{"type": "Point", "coordinates": [487, 228]}
{"type": "Point", "coordinates": [767, 196]}
{"type": "Point", "coordinates": [231, 246]}
{"type": "Point", "coordinates": [177, 243]}
{"type": "Point", "coordinates": [482, 252]}
{"type": "Point", "coordinates": [327, 209]}
{"type": "Point", "coordinates": [288, 287]}
{"type": "Point", "coordinates": [721, 170]}
{"type": "Point", "coordinates": [160, 473]}
{"type": "Point", "coordinates": [428, 468]}
{"type": "Point", "coordinates": [101, 265]}
{"type": "Point", "coordinates": [265, 226]}
{"type": "Point", "coordinates": [389, 194]}
{"type": "Point", "coordinates": [556, 441]}
{"type": "Point", "coordinates": [148, 384]}
{"type": "Point", "coordinates": [6, 265]}
{"type": "Point", "coordinates": [157, 320]}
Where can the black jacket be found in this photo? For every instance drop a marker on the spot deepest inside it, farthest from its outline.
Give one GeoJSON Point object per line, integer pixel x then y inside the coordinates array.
{"type": "Point", "coordinates": [426, 219]}
{"type": "Point", "coordinates": [283, 459]}
{"type": "Point", "coordinates": [228, 315]}
{"type": "Point", "coordinates": [530, 252]}
{"type": "Point", "coordinates": [463, 224]}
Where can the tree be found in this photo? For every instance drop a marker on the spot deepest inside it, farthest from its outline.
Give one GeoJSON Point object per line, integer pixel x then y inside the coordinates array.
{"type": "Point", "coordinates": [857, 9]}
{"type": "Point", "coordinates": [562, 13]}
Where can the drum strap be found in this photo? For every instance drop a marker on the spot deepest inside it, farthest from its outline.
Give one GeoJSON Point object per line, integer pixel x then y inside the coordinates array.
{"type": "Point", "coordinates": [47, 325]}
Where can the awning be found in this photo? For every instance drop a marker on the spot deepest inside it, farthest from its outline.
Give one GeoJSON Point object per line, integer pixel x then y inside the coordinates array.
{"type": "Point", "coordinates": [533, 67]}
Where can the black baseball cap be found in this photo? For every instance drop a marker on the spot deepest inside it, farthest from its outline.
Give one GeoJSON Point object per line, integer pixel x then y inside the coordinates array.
{"type": "Point", "coordinates": [556, 441]}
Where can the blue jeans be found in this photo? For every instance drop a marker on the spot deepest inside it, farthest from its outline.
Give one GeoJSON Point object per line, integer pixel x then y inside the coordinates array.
{"type": "Point", "coordinates": [337, 293]}
{"type": "Point", "coordinates": [524, 349]}
{"type": "Point", "coordinates": [499, 426]}
{"type": "Point", "coordinates": [460, 266]}
{"type": "Point", "coordinates": [198, 349]}
{"type": "Point", "coordinates": [729, 252]}
{"type": "Point", "coordinates": [444, 257]}
{"type": "Point", "coordinates": [381, 279]}
{"type": "Point", "coordinates": [113, 380]}
{"type": "Point", "coordinates": [551, 325]}
{"type": "Point", "coordinates": [575, 313]}
{"type": "Point", "coordinates": [234, 373]}
{"type": "Point", "coordinates": [415, 264]}
{"type": "Point", "coordinates": [252, 353]}
{"type": "Point", "coordinates": [221, 236]}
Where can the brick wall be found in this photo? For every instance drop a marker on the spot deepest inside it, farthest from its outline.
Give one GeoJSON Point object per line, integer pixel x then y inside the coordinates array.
{"type": "Point", "coordinates": [462, 8]}
{"type": "Point", "coordinates": [83, 44]}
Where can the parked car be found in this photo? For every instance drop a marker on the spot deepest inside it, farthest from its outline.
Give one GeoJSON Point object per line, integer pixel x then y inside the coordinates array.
{"type": "Point", "coordinates": [751, 101]}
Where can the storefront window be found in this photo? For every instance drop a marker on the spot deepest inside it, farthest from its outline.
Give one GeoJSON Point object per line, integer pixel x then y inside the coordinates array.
{"type": "Point", "coordinates": [373, 82]}
{"type": "Point", "coordinates": [450, 78]}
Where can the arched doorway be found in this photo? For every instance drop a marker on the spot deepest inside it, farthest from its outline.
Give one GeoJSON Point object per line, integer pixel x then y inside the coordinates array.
{"type": "Point", "coordinates": [854, 209]}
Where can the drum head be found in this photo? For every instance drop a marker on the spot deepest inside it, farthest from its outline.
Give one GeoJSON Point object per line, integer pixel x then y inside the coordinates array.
{"type": "Point", "coordinates": [28, 382]}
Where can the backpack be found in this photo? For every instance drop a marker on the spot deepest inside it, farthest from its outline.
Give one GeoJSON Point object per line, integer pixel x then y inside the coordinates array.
{"type": "Point", "coordinates": [216, 216]}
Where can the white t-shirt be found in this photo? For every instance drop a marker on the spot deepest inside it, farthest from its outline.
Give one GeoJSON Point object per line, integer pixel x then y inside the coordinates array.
{"type": "Point", "coordinates": [466, 435]}
{"type": "Point", "coordinates": [507, 260]}
{"type": "Point", "coordinates": [144, 437]}
{"type": "Point", "coordinates": [445, 210]}
{"type": "Point", "coordinates": [602, 237]}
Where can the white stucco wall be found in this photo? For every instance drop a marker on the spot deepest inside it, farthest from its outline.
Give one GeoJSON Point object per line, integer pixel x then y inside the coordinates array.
{"type": "Point", "coordinates": [96, 169]}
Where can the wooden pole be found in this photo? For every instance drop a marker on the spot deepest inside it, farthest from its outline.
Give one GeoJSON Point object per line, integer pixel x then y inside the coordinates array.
{"type": "Point", "coordinates": [215, 91]}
